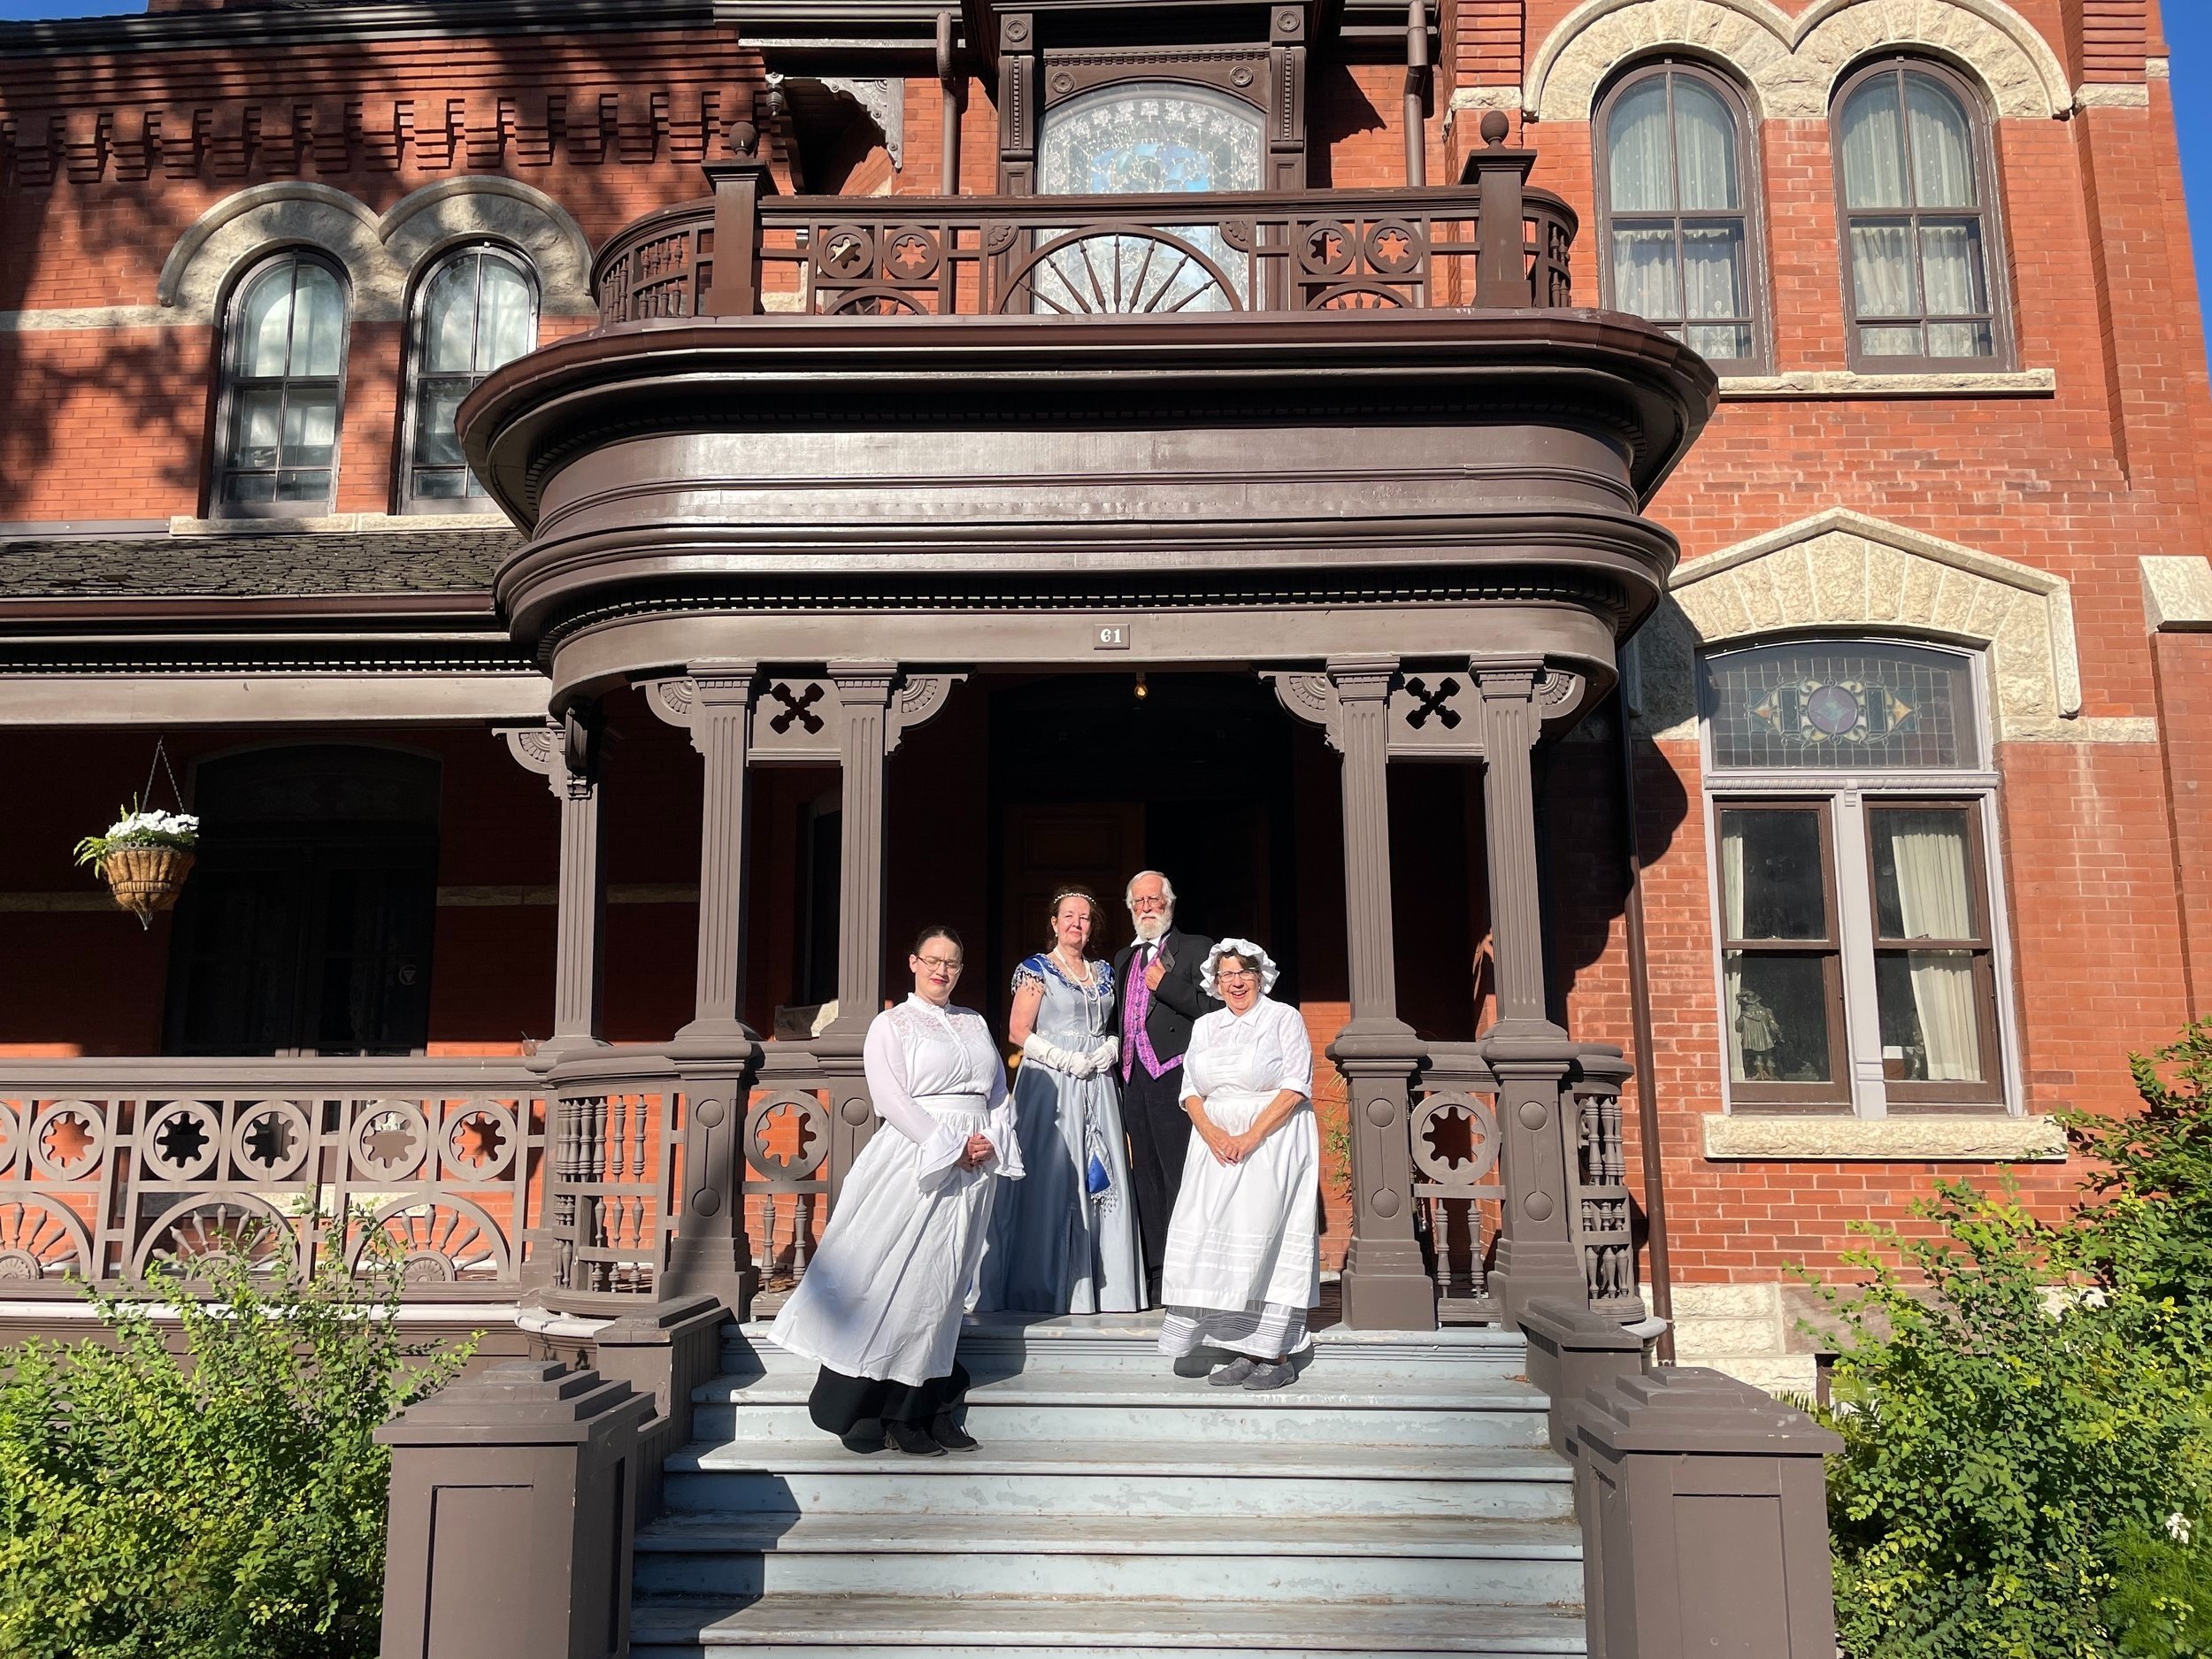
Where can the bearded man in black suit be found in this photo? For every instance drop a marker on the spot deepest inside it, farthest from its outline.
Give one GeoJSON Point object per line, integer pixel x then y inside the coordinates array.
{"type": "Point", "coordinates": [1156, 998]}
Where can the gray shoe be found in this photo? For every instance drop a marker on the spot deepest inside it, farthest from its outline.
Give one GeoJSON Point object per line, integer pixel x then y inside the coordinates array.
{"type": "Point", "coordinates": [1281, 1375]}
{"type": "Point", "coordinates": [1234, 1373]}
{"type": "Point", "coordinates": [1196, 1365]}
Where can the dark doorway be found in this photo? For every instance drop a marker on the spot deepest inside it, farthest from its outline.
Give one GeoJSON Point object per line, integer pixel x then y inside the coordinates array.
{"type": "Point", "coordinates": [306, 925]}
{"type": "Point", "coordinates": [1091, 782]}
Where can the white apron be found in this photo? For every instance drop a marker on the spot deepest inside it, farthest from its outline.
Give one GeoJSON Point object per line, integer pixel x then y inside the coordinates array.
{"type": "Point", "coordinates": [1246, 1235]}
{"type": "Point", "coordinates": [884, 1294]}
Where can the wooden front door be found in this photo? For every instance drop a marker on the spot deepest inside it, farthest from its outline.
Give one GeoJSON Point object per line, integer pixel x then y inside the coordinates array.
{"type": "Point", "coordinates": [1097, 845]}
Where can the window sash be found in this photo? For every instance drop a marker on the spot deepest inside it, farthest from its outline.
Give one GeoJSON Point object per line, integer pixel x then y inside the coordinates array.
{"type": "Point", "coordinates": [1650, 258]}
{"type": "Point", "coordinates": [1854, 954]}
{"type": "Point", "coordinates": [298, 476]}
{"type": "Point", "coordinates": [1937, 1001]}
{"type": "Point", "coordinates": [433, 481]}
{"type": "Point", "coordinates": [1897, 315]}
{"type": "Point", "coordinates": [1826, 949]}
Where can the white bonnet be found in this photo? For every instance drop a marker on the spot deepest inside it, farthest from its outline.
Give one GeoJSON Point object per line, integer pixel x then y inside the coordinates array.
{"type": "Point", "coordinates": [1246, 951]}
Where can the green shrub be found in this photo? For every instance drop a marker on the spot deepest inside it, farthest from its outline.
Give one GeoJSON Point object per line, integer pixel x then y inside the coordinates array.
{"type": "Point", "coordinates": [2014, 1427]}
{"type": "Point", "coordinates": [228, 1505]}
{"type": "Point", "coordinates": [2026, 1409]}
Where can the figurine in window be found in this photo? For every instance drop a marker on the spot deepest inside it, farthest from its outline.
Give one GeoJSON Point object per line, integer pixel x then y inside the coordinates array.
{"type": "Point", "coordinates": [1758, 1033]}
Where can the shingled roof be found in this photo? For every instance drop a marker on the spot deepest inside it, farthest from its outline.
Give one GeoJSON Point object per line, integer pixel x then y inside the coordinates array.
{"type": "Point", "coordinates": [255, 565]}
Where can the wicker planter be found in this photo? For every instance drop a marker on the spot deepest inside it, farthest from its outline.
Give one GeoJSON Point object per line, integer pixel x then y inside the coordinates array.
{"type": "Point", "coordinates": [146, 878]}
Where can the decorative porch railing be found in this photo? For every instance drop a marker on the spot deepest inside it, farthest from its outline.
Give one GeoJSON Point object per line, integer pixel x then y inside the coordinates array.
{"type": "Point", "coordinates": [109, 1166]}
{"type": "Point", "coordinates": [1459, 1184]}
{"type": "Point", "coordinates": [1489, 243]}
{"type": "Point", "coordinates": [495, 1179]}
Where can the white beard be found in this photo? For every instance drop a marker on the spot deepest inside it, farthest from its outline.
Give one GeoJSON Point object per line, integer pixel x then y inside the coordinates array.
{"type": "Point", "coordinates": [1150, 928]}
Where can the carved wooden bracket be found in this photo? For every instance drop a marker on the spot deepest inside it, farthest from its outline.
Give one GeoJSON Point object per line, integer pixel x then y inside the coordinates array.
{"type": "Point", "coordinates": [564, 752]}
{"type": "Point", "coordinates": [795, 717]}
{"type": "Point", "coordinates": [1435, 712]}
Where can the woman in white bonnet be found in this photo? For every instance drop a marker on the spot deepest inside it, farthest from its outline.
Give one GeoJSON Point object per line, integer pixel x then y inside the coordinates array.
{"type": "Point", "coordinates": [1243, 1255]}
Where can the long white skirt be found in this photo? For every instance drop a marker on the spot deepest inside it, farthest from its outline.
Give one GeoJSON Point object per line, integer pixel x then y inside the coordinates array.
{"type": "Point", "coordinates": [884, 1294]}
{"type": "Point", "coordinates": [1245, 1236]}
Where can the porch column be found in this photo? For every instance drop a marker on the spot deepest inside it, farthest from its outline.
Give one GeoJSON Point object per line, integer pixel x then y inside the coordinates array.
{"type": "Point", "coordinates": [1387, 1285]}
{"type": "Point", "coordinates": [717, 1054]}
{"type": "Point", "coordinates": [1529, 1055]}
{"type": "Point", "coordinates": [565, 753]}
{"type": "Point", "coordinates": [864, 698]}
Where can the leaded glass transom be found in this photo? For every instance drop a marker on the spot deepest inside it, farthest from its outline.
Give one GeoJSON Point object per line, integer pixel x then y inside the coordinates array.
{"type": "Point", "coordinates": [1841, 706]}
{"type": "Point", "coordinates": [1150, 137]}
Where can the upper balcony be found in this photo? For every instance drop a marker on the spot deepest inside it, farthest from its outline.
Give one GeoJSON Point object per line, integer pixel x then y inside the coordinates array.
{"type": "Point", "coordinates": [742, 253]}
{"type": "Point", "coordinates": [813, 417]}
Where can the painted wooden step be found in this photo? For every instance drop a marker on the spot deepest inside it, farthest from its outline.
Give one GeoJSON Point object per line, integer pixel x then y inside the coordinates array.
{"type": "Point", "coordinates": [803, 1627]}
{"type": "Point", "coordinates": [1099, 1477]}
{"type": "Point", "coordinates": [1403, 1559]}
{"type": "Point", "coordinates": [1323, 1408]}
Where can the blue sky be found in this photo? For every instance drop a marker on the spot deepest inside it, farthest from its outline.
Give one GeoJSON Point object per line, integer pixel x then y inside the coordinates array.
{"type": "Point", "coordinates": [2188, 34]}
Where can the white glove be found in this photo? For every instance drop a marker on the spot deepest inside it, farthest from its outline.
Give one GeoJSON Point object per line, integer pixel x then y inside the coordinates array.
{"type": "Point", "coordinates": [1051, 1054]}
{"type": "Point", "coordinates": [1103, 1056]}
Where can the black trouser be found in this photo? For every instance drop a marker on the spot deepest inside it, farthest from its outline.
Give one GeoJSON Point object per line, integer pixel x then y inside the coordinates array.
{"type": "Point", "coordinates": [1159, 1136]}
{"type": "Point", "coordinates": [839, 1402]}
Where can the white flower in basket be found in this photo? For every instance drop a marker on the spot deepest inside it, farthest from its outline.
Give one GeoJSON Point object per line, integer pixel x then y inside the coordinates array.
{"type": "Point", "coordinates": [143, 857]}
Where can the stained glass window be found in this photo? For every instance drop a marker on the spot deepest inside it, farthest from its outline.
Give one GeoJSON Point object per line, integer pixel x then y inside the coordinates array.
{"type": "Point", "coordinates": [1150, 137]}
{"type": "Point", "coordinates": [1845, 706]}
{"type": "Point", "coordinates": [1144, 138]}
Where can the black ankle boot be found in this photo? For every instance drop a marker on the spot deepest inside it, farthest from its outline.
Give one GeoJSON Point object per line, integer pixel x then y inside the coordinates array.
{"type": "Point", "coordinates": [915, 1442]}
{"type": "Point", "coordinates": [951, 1435]}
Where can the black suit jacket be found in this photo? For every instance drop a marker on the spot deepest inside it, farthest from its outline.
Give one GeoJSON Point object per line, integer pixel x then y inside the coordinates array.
{"type": "Point", "coordinates": [1178, 1002]}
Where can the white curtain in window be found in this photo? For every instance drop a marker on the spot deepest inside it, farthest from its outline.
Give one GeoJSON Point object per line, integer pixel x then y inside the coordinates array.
{"type": "Point", "coordinates": [1712, 270]}
{"type": "Point", "coordinates": [1637, 145]}
{"type": "Point", "coordinates": [1874, 147]}
{"type": "Point", "coordinates": [1942, 146]}
{"type": "Point", "coordinates": [1705, 147]}
{"type": "Point", "coordinates": [318, 322]}
{"type": "Point", "coordinates": [1732, 928]}
{"type": "Point", "coordinates": [505, 327]}
{"type": "Point", "coordinates": [1643, 273]}
{"type": "Point", "coordinates": [1930, 853]}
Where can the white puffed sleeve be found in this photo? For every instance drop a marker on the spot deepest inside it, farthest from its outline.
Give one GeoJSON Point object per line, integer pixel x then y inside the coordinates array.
{"type": "Point", "coordinates": [1294, 1049]}
{"type": "Point", "coordinates": [1000, 1127]}
{"type": "Point", "coordinates": [883, 1059]}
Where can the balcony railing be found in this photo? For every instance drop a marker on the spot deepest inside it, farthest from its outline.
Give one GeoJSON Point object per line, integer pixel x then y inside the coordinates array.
{"type": "Point", "coordinates": [743, 252]}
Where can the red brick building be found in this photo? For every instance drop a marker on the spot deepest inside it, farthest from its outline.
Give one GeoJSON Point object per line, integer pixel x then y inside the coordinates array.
{"type": "Point", "coordinates": [1919, 824]}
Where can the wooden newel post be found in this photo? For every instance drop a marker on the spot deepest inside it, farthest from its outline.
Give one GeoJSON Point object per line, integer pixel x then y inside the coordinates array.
{"type": "Point", "coordinates": [1530, 1055]}
{"type": "Point", "coordinates": [739, 183]}
{"type": "Point", "coordinates": [1501, 272]}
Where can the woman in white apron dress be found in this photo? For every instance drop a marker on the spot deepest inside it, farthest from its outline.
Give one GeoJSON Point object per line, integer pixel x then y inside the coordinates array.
{"type": "Point", "coordinates": [1243, 1251]}
{"type": "Point", "coordinates": [881, 1305]}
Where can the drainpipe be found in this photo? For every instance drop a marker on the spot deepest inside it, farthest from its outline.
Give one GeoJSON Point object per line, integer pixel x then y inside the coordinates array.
{"type": "Point", "coordinates": [1640, 1014]}
{"type": "Point", "coordinates": [1417, 82]}
{"type": "Point", "coordinates": [948, 168]}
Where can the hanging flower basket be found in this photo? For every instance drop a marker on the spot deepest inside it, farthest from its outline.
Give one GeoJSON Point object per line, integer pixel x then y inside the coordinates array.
{"type": "Point", "coordinates": [145, 858]}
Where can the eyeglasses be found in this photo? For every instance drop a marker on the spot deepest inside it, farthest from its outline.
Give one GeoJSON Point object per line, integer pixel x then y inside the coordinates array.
{"type": "Point", "coordinates": [939, 964]}
{"type": "Point", "coordinates": [1147, 902]}
{"type": "Point", "coordinates": [1238, 976]}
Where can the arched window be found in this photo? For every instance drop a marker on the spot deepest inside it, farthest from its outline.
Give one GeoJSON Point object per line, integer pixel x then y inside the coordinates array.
{"type": "Point", "coordinates": [1674, 190]}
{"type": "Point", "coordinates": [478, 309]}
{"type": "Point", "coordinates": [1918, 214]}
{"type": "Point", "coordinates": [285, 382]}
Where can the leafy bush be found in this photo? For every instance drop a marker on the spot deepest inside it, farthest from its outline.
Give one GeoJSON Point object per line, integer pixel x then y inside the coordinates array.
{"type": "Point", "coordinates": [2026, 1409]}
{"type": "Point", "coordinates": [227, 1505]}
{"type": "Point", "coordinates": [2021, 1436]}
